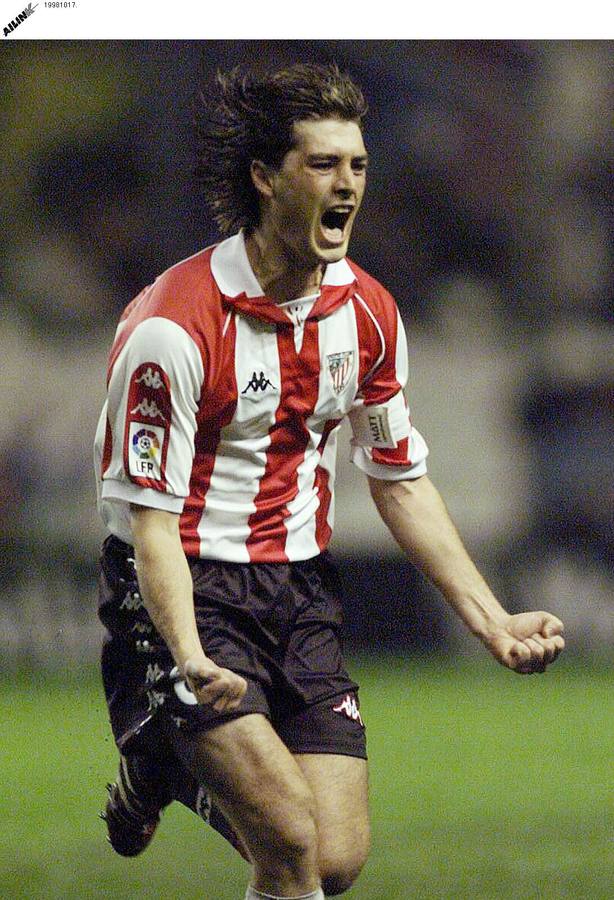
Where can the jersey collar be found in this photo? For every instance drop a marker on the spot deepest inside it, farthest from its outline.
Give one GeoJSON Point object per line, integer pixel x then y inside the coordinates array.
{"type": "Point", "coordinates": [235, 278]}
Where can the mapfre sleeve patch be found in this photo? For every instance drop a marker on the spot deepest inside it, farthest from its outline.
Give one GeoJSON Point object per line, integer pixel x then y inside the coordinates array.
{"type": "Point", "coordinates": [148, 424]}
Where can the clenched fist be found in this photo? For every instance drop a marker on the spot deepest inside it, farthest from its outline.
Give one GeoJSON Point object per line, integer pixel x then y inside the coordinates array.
{"type": "Point", "coordinates": [527, 642]}
{"type": "Point", "coordinates": [212, 685]}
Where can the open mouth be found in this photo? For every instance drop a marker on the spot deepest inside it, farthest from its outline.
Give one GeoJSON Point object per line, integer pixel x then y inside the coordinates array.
{"type": "Point", "coordinates": [334, 222]}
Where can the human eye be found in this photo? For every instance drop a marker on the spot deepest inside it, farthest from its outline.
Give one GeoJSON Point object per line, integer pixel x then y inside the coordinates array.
{"type": "Point", "coordinates": [322, 164]}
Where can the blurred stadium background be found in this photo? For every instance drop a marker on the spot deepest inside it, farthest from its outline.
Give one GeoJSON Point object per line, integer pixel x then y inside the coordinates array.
{"type": "Point", "coordinates": [489, 217]}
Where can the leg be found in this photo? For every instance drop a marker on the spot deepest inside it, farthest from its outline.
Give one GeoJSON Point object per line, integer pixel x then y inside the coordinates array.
{"type": "Point", "coordinates": [145, 785]}
{"type": "Point", "coordinates": [339, 784]}
{"type": "Point", "coordinates": [197, 797]}
{"type": "Point", "coordinates": [261, 789]}
{"type": "Point", "coordinates": [135, 802]}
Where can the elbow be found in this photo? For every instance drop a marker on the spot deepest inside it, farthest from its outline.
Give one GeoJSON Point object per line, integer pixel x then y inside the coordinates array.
{"type": "Point", "coordinates": [149, 526]}
{"type": "Point", "coordinates": [384, 491]}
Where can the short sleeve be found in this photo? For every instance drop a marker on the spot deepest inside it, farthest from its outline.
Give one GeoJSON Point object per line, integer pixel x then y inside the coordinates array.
{"type": "Point", "coordinates": [385, 444]}
{"type": "Point", "coordinates": [153, 393]}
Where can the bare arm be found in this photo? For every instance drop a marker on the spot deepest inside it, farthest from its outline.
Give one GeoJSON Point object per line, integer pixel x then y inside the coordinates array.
{"type": "Point", "coordinates": [166, 587]}
{"type": "Point", "coordinates": [419, 521]}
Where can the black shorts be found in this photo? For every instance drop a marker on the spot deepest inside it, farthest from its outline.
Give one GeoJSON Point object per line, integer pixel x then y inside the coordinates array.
{"type": "Point", "coordinates": [276, 624]}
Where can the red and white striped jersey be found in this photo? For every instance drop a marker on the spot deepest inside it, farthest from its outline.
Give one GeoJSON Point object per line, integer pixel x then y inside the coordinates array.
{"type": "Point", "coordinates": [224, 407]}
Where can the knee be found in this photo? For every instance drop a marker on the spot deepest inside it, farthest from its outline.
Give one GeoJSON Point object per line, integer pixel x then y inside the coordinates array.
{"type": "Point", "coordinates": [294, 840]}
{"type": "Point", "coordinates": [290, 835]}
{"type": "Point", "coordinates": [340, 879]}
{"type": "Point", "coordinates": [338, 873]}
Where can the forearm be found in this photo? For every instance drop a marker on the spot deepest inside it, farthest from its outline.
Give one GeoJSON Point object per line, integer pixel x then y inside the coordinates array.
{"type": "Point", "coordinates": [419, 521]}
{"type": "Point", "coordinates": [165, 581]}
{"type": "Point", "coordinates": [166, 587]}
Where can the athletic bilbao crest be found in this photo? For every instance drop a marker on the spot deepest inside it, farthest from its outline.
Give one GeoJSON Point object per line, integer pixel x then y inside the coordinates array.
{"type": "Point", "coordinates": [340, 368]}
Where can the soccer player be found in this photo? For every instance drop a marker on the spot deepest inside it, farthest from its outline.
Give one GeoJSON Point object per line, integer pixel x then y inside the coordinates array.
{"type": "Point", "coordinates": [227, 382]}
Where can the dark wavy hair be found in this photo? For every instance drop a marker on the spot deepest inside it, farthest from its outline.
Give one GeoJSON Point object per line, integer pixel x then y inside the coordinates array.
{"type": "Point", "coordinates": [251, 117]}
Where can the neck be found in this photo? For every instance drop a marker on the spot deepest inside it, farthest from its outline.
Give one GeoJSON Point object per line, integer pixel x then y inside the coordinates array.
{"type": "Point", "coordinates": [281, 277]}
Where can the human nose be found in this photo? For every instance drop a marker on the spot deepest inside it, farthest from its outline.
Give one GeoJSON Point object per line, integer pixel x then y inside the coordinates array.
{"type": "Point", "coordinates": [345, 181]}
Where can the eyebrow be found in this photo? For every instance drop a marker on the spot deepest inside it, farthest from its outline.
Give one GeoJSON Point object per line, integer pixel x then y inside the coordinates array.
{"type": "Point", "coordinates": [334, 157]}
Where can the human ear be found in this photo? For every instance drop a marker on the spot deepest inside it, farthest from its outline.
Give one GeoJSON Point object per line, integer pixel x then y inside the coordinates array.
{"type": "Point", "coordinates": [262, 178]}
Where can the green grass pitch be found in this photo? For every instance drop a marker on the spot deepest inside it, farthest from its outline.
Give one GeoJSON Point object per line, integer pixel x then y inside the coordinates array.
{"type": "Point", "coordinates": [484, 785]}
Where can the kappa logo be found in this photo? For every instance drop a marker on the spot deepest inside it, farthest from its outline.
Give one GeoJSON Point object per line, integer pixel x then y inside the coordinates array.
{"type": "Point", "coordinates": [203, 803]}
{"type": "Point", "coordinates": [154, 673]}
{"type": "Point", "coordinates": [149, 409]}
{"type": "Point", "coordinates": [258, 382]}
{"type": "Point", "coordinates": [131, 601]}
{"type": "Point", "coordinates": [349, 708]}
{"type": "Point", "coordinates": [156, 699]}
{"type": "Point", "coordinates": [16, 22]}
{"type": "Point", "coordinates": [340, 367]}
{"type": "Point", "coordinates": [151, 379]}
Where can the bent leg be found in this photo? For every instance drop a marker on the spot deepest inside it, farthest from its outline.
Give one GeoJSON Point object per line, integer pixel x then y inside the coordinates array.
{"type": "Point", "coordinates": [262, 791]}
{"type": "Point", "coordinates": [340, 787]}
{"type": "Point", "coordinates": [150, 781]}
{"type": "Point", "coordinates": [197, 797]}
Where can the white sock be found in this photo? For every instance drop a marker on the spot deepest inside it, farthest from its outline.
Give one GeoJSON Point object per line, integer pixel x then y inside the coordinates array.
{"type": "Point", "coordinates": [253, 894]}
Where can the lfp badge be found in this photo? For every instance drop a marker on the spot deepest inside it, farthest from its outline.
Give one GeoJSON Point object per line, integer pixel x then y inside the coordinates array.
{"type": "Point", "coordinates": [145, 450]}
{"type": "Point", "coordinates": [145, 444]}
